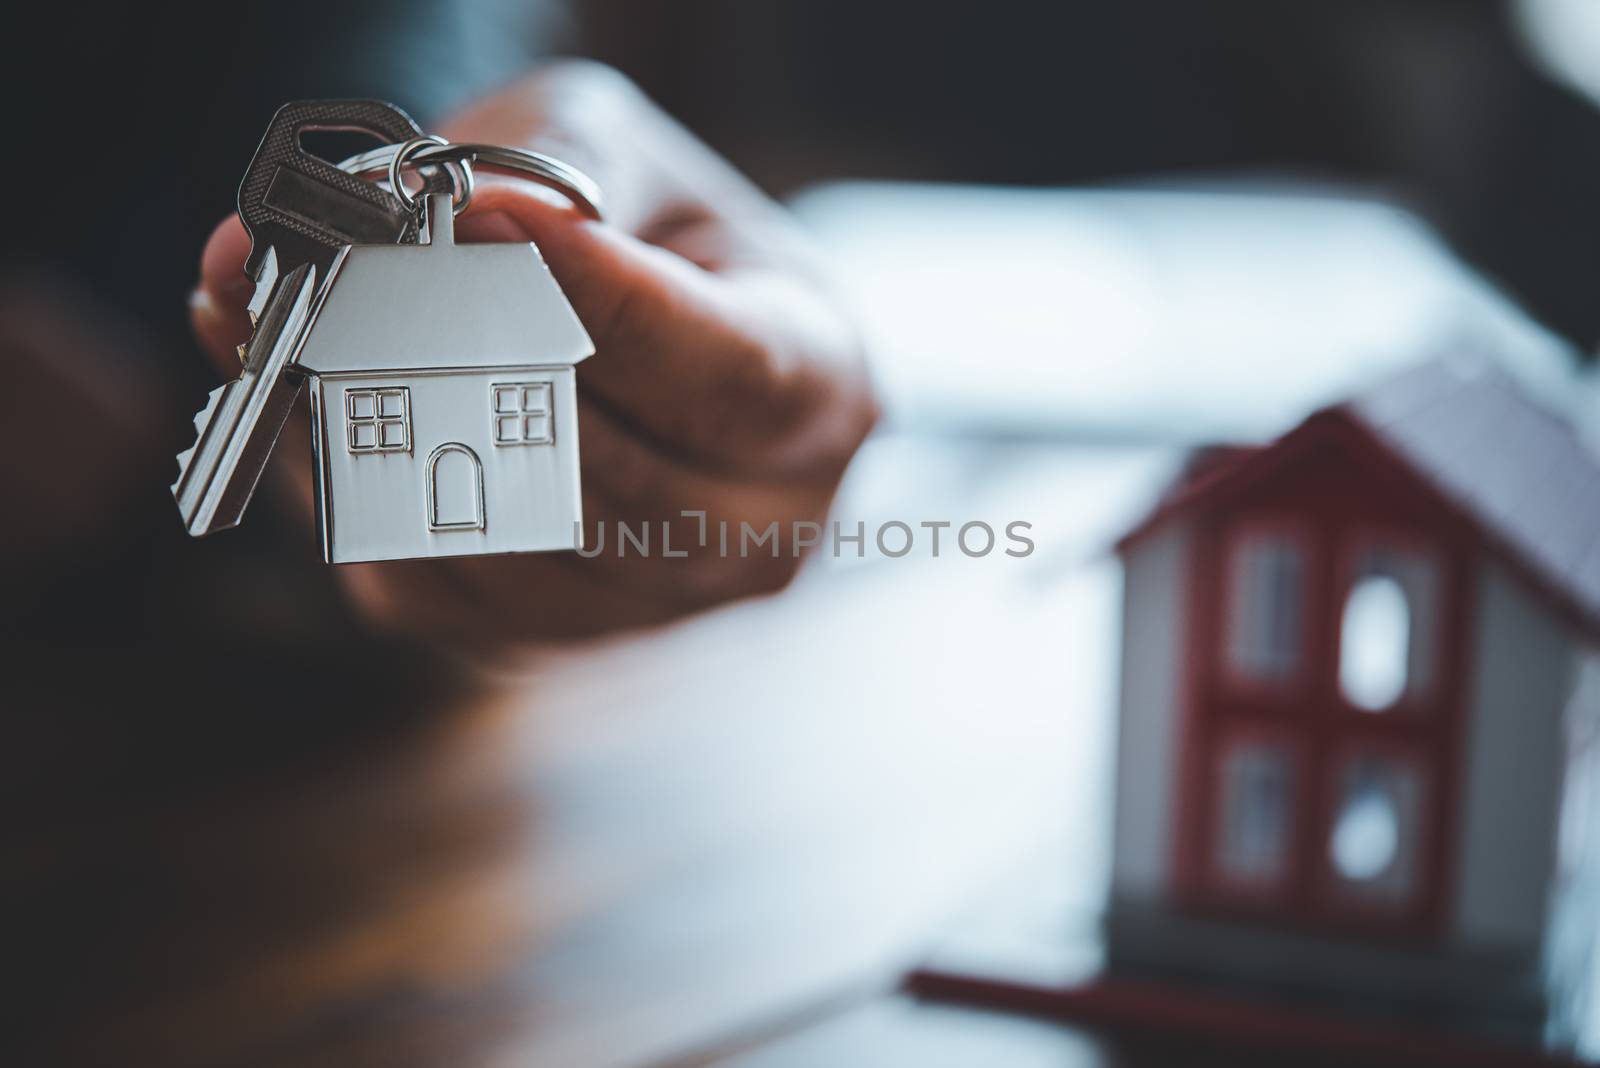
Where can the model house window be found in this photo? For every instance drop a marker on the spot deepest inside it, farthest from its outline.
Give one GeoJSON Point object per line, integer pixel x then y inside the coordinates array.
{"type": "Point", "coordinates": [1373, 844]}
{"type": "Point", "coordinates": [1265, 607]}
{"type": "Point", "coordinates": [378, 420]}
{"type": "Point", "coordinates": [1386, 631]}
{"type": "Point", "coordinates": [1254, 816]}
{"type": "Point", "coordinates": [522, 414]}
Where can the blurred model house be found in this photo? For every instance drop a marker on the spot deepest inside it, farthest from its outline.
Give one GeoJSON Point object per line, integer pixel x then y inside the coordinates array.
{"type": "Point", "coordinates": [1351, 666]}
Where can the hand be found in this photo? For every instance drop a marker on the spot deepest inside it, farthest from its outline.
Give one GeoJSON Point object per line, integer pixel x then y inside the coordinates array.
{"type": "Point", "coordinates": [725, 379]}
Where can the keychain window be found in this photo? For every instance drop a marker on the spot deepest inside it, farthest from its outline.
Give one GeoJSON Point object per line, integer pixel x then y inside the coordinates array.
{"type": "Point", "coordinates": [521, 413]}
{"type": "Point", "coordinates": [378, 420]}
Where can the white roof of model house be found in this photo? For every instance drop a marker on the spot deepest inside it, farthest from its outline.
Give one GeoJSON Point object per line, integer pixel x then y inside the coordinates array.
{"type": "Point", "coordinates": [1514, 471]}
{"type": "Point", "coordinates": [1519, 469]}
{"type": "Point", "coordinates": [443, 306]}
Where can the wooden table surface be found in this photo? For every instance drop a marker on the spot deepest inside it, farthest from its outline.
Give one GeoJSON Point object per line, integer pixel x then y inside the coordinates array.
{"type": "Point", "coordinates": [719, 843]}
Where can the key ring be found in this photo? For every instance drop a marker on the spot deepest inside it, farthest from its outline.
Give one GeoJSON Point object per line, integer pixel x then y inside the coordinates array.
{"type": "Point", "coordinates": [460, 172]}
{"type": "Point", "coordinates": [432, 149]}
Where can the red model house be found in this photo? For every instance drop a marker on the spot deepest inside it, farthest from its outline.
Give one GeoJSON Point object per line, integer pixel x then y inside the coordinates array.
{"type": "Point", "coordinates": [1349, 671]}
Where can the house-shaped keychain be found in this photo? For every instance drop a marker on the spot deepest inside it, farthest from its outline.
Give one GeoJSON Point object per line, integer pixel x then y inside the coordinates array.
{"type": "Point", "coordinates": [1358, 666]}
{"type": "Point", "coordinates": [443, 400]}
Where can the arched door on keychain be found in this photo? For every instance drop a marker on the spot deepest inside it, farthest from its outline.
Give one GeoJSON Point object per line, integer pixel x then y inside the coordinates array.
{"type": "Point", "coordinates": [455, 488]}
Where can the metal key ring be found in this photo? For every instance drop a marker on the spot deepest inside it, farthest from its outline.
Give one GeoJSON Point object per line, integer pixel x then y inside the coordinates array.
{"type": "Point", "coordinates": [546, 170]}
{"type": "Point", "coordinates": [460, 171]}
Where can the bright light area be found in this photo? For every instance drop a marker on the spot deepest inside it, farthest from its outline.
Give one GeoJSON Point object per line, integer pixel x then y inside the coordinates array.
{"type": "Point", "coordinates": [1367, 837]}
{"type": "Point", "coordinates": [1375, 643]}
{"type": "Point", "coordinates": [1564, 37]}
{"type": "Point", "coordinates": [1153, 315]}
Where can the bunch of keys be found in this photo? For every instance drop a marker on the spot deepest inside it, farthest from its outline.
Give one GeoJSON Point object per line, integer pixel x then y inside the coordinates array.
{"type": "Point", "coordinates": [441, 376]}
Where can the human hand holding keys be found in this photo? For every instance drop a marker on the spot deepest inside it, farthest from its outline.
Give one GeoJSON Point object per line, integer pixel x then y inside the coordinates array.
{"type": "Point", "coordinates": [726, 379]}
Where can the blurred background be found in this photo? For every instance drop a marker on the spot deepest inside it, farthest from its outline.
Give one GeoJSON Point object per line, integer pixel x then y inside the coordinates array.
{"type": "Point", "coordinates": [1081, 238]}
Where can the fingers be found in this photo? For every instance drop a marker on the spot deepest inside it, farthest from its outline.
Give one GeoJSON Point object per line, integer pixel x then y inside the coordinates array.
{"type": "Point", "coordinates": [747, 371]}
{"type": "Point", "coordinates": [722, 374]}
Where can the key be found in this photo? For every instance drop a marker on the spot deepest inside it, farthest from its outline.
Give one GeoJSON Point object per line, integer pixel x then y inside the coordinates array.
{"type": "Point", "coordinates": [302, 213]}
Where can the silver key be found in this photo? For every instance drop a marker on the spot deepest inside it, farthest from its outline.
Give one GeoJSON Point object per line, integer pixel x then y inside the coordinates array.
{"type": "Point", "coordinates": [302, 214]}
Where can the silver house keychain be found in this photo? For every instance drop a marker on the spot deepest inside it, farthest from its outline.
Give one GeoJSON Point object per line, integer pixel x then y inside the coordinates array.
{"type": "Point", "coordinates": [441, 377]}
